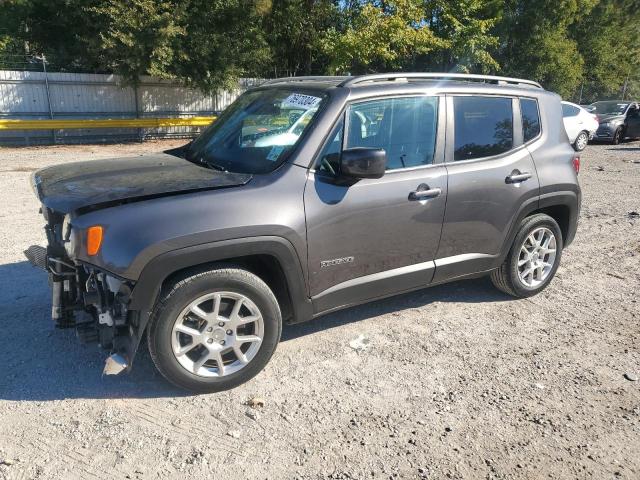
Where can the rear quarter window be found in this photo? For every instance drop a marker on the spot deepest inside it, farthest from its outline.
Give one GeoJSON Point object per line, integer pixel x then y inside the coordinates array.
{"type": "Point", "coordinates": [569, 110]}
{"type": "Point", "coordinates": [530, 118]}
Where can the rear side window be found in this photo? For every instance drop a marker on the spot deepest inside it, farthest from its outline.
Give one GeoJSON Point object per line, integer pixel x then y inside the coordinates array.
{"type": "Point", "coordinates": [530, 118]}
{"type": "Point", "coordinates": [569, 110]}
{"type": "Point", "coordinates": [483, 126]}
{"type": "Point", "coordinates": [404, 127]}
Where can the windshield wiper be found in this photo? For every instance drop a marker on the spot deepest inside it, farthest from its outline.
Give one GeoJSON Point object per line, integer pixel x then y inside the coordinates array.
{"type": "Point", "coordinates": [213, 166]}
{"type": "Point", "coordinates": [200, 160]}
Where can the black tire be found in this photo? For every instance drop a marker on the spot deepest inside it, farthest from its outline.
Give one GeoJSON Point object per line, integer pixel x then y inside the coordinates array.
{"type": "Point", "coordinates": [178, 296]}
{"type": "Point", "coordinates": [617, 136]}
{"type": "Point", "coordinates": [582, 138]}
{"type": "Point", "coordinates": [506, 278]}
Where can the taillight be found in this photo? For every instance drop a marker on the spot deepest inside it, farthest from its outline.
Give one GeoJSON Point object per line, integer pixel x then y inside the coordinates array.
{"type": "Point", "coordinates": [94, 239]}
{"type": "Point", "coordinates": [595, 117]}
{"type": "Point", "coordinates": [576, 163]}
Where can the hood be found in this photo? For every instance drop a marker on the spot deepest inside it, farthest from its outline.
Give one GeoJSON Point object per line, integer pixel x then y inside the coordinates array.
{"type": "Point", "coordinates": [609, 118]}
{"type": "Point", "coordinates": [66, 188]}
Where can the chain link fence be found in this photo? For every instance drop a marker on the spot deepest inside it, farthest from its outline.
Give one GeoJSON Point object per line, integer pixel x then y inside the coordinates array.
{"type": "Point", "coordinates": [591, 91]}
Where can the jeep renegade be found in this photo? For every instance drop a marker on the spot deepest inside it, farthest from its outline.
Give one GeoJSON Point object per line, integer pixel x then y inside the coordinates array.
{"type": "Point", "coordinates": [305, 196]}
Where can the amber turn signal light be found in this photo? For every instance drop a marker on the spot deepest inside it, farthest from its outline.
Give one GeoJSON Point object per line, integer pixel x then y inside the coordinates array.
{"type": "Point", "coordinates": [94, 239]}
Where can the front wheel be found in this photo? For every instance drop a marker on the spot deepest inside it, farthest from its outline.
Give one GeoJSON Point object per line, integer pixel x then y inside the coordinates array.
{"type": "Point", "coordinates": [581, 141]}
{"type": "Point", "coordinates": [533, 259]}
{"type": "Point", "coordinates": [617, 136]}
{"type": "Point", "coordinates": [214, 330]}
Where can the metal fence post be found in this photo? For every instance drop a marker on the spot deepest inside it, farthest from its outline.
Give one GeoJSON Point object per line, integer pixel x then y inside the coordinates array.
{"type": "Point", "coordinates": [581, 88]}
{"type": "Point", "coordinates": [624, 87]}
{"type": "Point", "coordinates": [46, 85]}
{"type": "Point", "coordinates": [137, 106]}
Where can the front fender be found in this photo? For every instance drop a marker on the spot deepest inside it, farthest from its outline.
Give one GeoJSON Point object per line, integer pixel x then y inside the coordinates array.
{"type": "Point", "coordinates": [148, 286]}
{"type": "Point", "coordinates": [147, 289]}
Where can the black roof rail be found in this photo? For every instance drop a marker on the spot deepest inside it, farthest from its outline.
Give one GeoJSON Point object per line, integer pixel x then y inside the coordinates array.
{"type": "Point", "coordinates": [382, 77]}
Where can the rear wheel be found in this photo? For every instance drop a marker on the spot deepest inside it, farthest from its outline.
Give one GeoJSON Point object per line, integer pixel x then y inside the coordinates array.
{"type": "Point", "coordinates": [581, 141]}
{"type": "Point", "coordinates": [533, 259]}
{"type": "Point", "coordinates": [215, 330]}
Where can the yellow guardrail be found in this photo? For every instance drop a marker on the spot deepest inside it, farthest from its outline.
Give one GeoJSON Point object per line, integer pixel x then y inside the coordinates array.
{"type": "Point", "coordinates": [105, 123]}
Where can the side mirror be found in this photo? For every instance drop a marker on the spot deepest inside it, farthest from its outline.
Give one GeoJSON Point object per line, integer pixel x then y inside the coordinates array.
{"type": "Point", "coordinates": [363, 162]}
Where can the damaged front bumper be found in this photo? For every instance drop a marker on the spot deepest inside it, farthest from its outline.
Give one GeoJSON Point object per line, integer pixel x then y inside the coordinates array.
{"type": "Point", "coordinates": [93, 302]}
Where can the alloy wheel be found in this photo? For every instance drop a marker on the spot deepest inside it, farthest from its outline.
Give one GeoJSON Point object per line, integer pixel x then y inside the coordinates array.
{"type": "Point", "coordinates": [537, 257]}
{"type": "Point", "coordinates": [217, 334]}
{"type": "Point", "coordinates": [581, 141]}
{"type": "Point", "coordinates": [617, 136]}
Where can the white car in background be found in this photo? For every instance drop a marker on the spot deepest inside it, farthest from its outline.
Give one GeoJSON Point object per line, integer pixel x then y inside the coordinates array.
{"type": "Point", "coordinates": [580, 125]}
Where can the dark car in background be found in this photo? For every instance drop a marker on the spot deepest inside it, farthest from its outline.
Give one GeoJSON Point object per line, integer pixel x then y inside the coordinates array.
{"type": "Point", "coordinates": [618, 120]}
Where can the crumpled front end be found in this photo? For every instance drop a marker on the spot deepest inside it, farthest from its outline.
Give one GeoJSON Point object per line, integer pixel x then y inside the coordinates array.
{"type": "Point", "coordinates": [84, 297]}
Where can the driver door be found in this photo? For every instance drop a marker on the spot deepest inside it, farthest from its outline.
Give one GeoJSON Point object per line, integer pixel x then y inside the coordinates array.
{"type": "Point", "coordinates": [633, 122]}
{"type": "Point", "coordinates": [377, 237]}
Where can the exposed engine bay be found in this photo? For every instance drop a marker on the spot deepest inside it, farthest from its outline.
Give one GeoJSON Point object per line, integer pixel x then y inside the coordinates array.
{"type": "Point", "coordinates": [92, 301]}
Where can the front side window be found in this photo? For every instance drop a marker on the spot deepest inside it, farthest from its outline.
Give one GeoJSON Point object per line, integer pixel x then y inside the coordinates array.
{"type": "Point", "coordinates": [483, 126]}
{"type": "Point", "coordinates": [404, 127]}
{"type": "Point", "coordinates": [257, 132]}
{"type": "Point", "coordinates": [530, 118]}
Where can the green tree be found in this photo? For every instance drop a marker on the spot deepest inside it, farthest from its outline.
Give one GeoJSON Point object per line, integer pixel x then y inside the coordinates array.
{"type": "Point", "coordinates": [209, 44]}
{"type": "Point", "coordinates": [59, 29]}
{"type": "Point", "coordinates": [293, 29]}
{"type": "Point", "coordinates": [609, 41]}
{"type": "Point", "coordinates": [535, 41]}
{"type": "Point", "coordinates": [466, 30]}
{"type": "Point", "coordinates": [379, 36]}
{"type": "Point", "coordinates": [137, 37]}
{"type": "Point", "coordinates": [224, 40]}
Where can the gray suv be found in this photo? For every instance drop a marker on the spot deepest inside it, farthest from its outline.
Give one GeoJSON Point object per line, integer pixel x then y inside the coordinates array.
{"type": "Point", "coordinates": [305, 196]}
{"type": "Point", "coordinates": [618, 120]}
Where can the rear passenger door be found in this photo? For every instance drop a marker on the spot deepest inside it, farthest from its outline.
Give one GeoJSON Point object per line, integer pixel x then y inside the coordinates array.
{"type": "Point", "coordinates": [490, 176]}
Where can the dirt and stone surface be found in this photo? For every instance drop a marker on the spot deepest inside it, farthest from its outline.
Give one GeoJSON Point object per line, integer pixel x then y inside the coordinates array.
{"type": "Point", "coordinates": [458, 381]}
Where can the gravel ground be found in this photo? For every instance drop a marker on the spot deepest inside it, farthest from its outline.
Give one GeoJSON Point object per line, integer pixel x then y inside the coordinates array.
{"type": "Point", "coordinates": [457, 381]}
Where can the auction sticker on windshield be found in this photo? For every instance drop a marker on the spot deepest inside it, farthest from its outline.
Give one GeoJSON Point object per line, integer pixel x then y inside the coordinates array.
{"type": "Point", "coordinates": [298, 100]}
{"type": "Point", "coordinates": [275, 153]}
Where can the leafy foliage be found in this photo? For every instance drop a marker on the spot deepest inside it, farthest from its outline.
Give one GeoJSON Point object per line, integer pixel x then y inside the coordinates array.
{"type": "Point", "coordinates": [609, 43]}
{"type": "Point", "coordinates": [380, 36]}
{"type": "Point", "coordinates": [137, 37]}
{"type": "Point", "coordinates": [466, 28]}
{"type": "Point", "coordinates": [588, 47]}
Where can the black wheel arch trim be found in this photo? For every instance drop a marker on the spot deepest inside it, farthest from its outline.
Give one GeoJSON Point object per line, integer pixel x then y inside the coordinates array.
{"type": "Point", "coordinates": [568, 198]}
{"type": "Point", "coordinates": [147, 289]}
{"type": "Point", "coordinates": [154, 274]}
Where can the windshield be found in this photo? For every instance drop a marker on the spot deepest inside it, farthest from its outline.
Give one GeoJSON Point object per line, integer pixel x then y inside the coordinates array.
{"type": "Point", "coordinates": [257, 132]}
{"type": "Point", "coordinates": [608, 108]}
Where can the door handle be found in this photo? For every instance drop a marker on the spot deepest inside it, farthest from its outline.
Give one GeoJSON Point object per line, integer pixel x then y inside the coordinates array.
{"type": "Point", "coordinates": [517, 177]}
{"type": "Point", "coordinates": [425, 194]}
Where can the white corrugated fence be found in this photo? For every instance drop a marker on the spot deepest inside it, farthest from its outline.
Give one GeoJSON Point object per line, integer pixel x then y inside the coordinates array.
{"type": "Point", "coordinates": [62, 96]}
